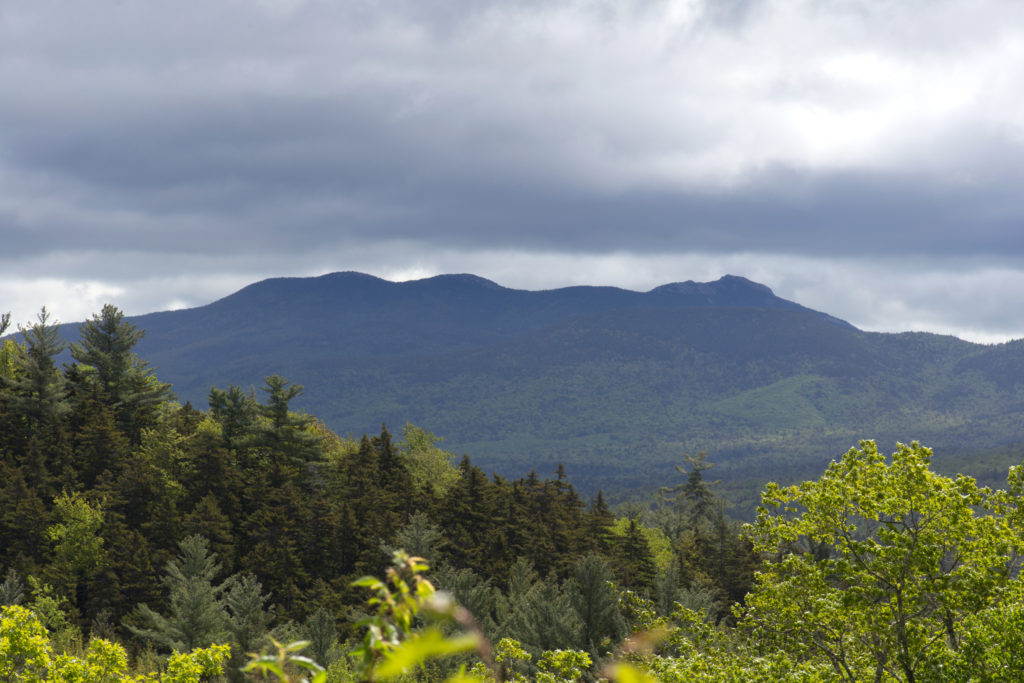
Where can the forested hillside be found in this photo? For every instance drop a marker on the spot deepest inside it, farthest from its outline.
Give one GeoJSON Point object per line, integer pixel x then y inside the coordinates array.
{"type": "Point", "coordinates": [615, 385]}
{"type": "Point", "coordinates": [145, 540]}
{"type": "Point", "coordinates": [117, 504]}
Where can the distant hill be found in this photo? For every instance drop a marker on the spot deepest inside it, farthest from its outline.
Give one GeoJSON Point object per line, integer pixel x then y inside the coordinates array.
{"type": "Point", "coordinates": [616, 384]}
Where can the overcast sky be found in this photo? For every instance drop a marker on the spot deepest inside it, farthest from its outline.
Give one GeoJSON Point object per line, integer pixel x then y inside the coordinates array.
{"type": "Point", "coordinates": [864, 158]}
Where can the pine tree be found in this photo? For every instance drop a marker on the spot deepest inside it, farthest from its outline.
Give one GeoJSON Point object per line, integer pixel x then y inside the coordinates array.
{"type": "Point", "coordinates": [125, 383]}
{"type": "Point", "coordinates": [24, 517]}
{"type": "Point", "coordinates": [468, 519]}
{"type": "Point", "coordinates": [473, 592]}
{"type": "Point", "coordinates": [206, 519]}
{"type": "Point", "coordinates": [35, 406]}
{"type": "Point", "coordinates": [283, 435]}
{"type": "Point", "coordinates": [236, 412]}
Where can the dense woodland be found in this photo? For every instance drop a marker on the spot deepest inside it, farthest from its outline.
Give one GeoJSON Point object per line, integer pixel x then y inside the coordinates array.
{"type": "Point", "coordinates": [614, 384]}
{"type": "Point", "coordinates": [109, 489]}
{"type": "Point", "coordinates": [129, 521]}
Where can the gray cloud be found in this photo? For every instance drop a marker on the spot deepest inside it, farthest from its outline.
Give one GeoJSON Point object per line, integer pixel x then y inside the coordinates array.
{"type": "Point", "coordinates": [227, 140]}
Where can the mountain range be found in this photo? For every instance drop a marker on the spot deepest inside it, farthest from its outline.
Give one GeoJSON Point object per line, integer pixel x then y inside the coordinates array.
{"type": "Point", "coordinates": [618, 385]}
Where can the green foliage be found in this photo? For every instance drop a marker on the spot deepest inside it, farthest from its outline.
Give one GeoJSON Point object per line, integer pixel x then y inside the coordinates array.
{"type": "Point", "coordinates": [593, 597]}
{"type": "Point", "coordinates": [390, 646]}
{"type": "Point", "coordinates": [197, 617]}
{"type": "Point", "coordinates": [429, 466]}
{"type": "Point", "coordinates": [77, 544]}
{"type": "Point", "coordinates": [634, 562]}
{"type": "Point", "coordinates": [25, 652]}
{"type": "Point", "coordinates": [12, 591]}
{"type": "Point", "coordinates": [881, 563]}
{"type": "Point", "coordinates": [322, 633]}
{"type": "Point", "coordinates": [420, 537]}
{"type": "Point", "coordinates": [124, 382]}
{"type": "Point", "coordinates": [286, 665]}
{"type": "Point", "coordinates": [562, 665]}
{"type": "Point", "coordinates": [248, 620]}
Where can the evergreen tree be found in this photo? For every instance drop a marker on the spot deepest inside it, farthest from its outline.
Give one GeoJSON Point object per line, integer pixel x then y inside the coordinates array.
{"type": "Point", "coordinates": [197, 616]}
{"type": "Point", "coordinates": [38, 392]}
{"type": "Point", "coordinates": [634, 564]}
{"type": "Point", "coordinates": [321, 631]}
{"type": "Point", "coordinates": [125, 382]}
{"type": "Point", "coordinates": [473, 592]}
{"type": "Point", "coordinates": [99, 446]}
{"type": "Point", "coordinates": [24, 517]}
{"type": "Point", "coordinates": [248, 620]}
{"type": "Point", "coordinates": [420, 538]}
{"type": "Point", "coordinates": [666, 588]}
{"type": "Point", "coordinates": [284, 436]}
{"type": "Point", "coordinates": [468, 520]}
{"type": "Point", "coordinates": [595, 600]}
{"type": "Point", "coordinates": [12, 590]}
{"type": "Point", "coordinates": [236, 412]}
{"type": "Point", "coordinates": [33, 405]}
{"type": "Point", "coordinates": [541, 618]}
{"type": "Point", "coordinates": [599, 522]}
{"type": "Point", "coordinates": [728, 559]}
{"type": "Point", "coordinates": [206, 519]}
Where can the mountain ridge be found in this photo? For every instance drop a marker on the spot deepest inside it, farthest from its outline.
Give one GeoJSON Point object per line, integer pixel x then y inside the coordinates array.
{"type": "Point", "coordinates": [616, 384]}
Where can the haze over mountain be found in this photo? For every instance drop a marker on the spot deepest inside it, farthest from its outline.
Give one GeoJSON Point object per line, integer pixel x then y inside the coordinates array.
{"type": "Point", "coordinates": [616, 384]}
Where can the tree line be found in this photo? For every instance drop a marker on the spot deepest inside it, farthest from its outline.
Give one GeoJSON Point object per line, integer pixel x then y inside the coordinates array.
{"type": "Point", "coordinates": [126, 515]}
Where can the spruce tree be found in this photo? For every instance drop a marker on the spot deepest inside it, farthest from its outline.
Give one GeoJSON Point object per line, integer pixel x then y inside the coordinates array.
{"type": "Point", "coordinates": [248, 619]}
{"type": "Point", "coordinates": [634, 564]}
{"type": "Point", "coordinates": [196, 612]}
{"type": "Point", "coordinates": [542, 618]}
{"type": "Point", "coordinates": [595, 601]}
{"type": "Point", "coordinates": [420, 538]}
{"type": "Point", "coordinates": [321, 631]}
{"type": "Point", "coordinates": [12, 590]}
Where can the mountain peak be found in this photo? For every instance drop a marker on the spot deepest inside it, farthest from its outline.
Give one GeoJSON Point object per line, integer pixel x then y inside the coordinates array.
{"type": "Point", "coordinates": [728, 290]}
{"type": "Point", "coordinates": [456, 279]}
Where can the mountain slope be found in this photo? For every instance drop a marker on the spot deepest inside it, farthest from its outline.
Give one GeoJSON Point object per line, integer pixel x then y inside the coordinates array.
{"type": "Point", "coordinates": [616, 384]}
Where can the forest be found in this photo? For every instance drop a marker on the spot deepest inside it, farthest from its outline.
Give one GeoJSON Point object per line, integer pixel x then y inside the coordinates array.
{"type": "Point", "coordinates": [144, 539]}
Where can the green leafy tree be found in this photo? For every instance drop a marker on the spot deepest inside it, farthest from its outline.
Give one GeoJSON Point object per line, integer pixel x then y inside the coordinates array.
{"type": "Point", "coordinates": [907, 558]}
{"type": "Point", "coordinates": [78, 550]}
{"type": "Point", "coordinates": [430, 467]}
{"type": "Point", "coordinates": [25, 650]}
